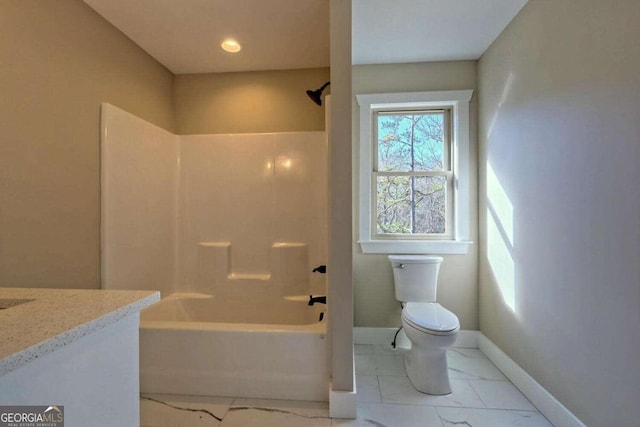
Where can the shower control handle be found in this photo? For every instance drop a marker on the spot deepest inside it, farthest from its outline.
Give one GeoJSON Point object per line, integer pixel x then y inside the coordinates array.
{"type": "Point", "coordinates": [322, 269]}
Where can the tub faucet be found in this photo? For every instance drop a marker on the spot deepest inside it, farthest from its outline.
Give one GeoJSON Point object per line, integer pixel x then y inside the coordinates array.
{"type": "Point", "coordinates": [321, 299]}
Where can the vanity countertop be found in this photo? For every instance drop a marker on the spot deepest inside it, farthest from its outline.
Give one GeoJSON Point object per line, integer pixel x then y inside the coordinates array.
{"type": "Point", "coordinates": [53, 318]}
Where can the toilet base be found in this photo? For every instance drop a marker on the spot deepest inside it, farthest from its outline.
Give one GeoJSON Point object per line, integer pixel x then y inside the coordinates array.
{"type": "Point", "coordinates": [428, 370]}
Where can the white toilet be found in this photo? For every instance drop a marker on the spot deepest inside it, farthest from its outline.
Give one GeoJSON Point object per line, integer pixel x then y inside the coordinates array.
{"type": "Point", "coordinates": [430, 327]}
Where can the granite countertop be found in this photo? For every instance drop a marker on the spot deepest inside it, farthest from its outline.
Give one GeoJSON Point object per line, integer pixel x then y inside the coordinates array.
{"type": "Point", "coordinates": [53, 318]}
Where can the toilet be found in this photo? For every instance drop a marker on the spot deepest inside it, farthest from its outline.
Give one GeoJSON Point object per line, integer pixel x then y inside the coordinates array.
{"type": "Point", "coordinates": [430, 327]}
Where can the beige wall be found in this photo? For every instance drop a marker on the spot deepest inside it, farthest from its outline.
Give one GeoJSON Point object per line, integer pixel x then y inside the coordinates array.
{"type": "Point", "coordinates": [60, 60]}
{"type": "Point", "coordinates": [375, 304]}
{"type": "Point", "coordinates": [248, 102]}
{"type": "Point", "coordinates": [559, 277]}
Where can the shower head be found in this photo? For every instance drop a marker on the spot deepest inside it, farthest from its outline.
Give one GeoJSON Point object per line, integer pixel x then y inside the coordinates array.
{"type": "Point", "coordinates": [316, 95]}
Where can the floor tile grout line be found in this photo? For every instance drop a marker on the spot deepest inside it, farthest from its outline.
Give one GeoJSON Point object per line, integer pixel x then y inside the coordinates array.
{"type": "Point", "coordinates": [526, 411]}
{"type": "Point", "coordinates": [379, 388]}
{"type": "Point", "coordinates": [476, 392]}
{"type": "Point", "coordinates": [444, 420]}
{"type": "Point", "coordinates": [519, 391]}
{"type": "Point", "coordinates": [453, 350]}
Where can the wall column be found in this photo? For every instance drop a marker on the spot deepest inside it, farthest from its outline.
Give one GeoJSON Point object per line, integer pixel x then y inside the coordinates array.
{"type": "Point", "coordinates": [340, 277]}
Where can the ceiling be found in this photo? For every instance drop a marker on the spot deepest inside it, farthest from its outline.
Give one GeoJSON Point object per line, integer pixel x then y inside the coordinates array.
{"type": "Point", "coordinates": [399, 31]}
{"type": "Point", "coordinates": [185, 35]}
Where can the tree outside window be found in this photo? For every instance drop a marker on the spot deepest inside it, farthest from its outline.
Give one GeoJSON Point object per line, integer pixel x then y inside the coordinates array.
{"type": "Point", "coordinates": [412, 173]}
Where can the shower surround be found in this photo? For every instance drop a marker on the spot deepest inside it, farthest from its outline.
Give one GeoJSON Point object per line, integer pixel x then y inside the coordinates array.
{"type": "Point", "coordinates": [219, 224]}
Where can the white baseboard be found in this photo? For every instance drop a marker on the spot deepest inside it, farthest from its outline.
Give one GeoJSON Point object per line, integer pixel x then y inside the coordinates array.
{"type": "Point", "coordinates": [548, 405]}
{"type": "Point", "coordinates": [376, 336]}
{"type": "Point", "coordinates": [344, 404]}
{"type": "Point", "coordinates": [384, 336]}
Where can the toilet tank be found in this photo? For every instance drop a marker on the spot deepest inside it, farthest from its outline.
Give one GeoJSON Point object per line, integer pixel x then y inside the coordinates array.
{"type": "Point", "coordinates": [415, 277]}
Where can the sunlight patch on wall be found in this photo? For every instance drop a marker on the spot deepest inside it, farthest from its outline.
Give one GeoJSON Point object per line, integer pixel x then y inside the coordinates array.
{"type": "Point", "coordinates": [500, 203]}
{"type": "Point", "coordinates": [500, 238]}
{"type": "Point", "coordinates": [503, 97]}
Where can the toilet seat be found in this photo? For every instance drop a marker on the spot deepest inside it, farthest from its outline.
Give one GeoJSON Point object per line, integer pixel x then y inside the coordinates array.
{"type": "Point", "coordinates": [430, 318]}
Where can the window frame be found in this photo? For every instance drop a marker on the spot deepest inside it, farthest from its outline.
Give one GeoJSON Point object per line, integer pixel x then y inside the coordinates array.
{"type": "Point", "coordinates": [459, 240]}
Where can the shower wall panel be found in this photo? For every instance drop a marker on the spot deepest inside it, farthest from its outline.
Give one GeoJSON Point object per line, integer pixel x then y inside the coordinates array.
{"type": "Point", "coordinates": [139, 168]}
{"type": "Point", "coordinates": [165, 196]}
{"type": "Point", "coordinates": [252, 190]}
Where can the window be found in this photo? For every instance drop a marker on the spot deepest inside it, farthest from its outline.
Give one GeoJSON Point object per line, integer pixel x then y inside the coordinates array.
{"type": "Point", "coordinates": [412, 174]}
{"type": "Point", "coordinates": [414, 181]}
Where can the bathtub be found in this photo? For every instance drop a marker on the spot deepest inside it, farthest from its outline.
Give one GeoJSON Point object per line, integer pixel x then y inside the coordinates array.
{"type": "Point", "coordinates": [199, 344]}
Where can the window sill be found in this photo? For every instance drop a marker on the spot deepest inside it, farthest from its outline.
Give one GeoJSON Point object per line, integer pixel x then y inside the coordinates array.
{"type": "Point", "coordinates": [435, 247]}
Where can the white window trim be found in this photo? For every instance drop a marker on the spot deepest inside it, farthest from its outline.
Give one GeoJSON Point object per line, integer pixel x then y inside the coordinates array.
{"type": "Point", "coordinates": [458, 100]}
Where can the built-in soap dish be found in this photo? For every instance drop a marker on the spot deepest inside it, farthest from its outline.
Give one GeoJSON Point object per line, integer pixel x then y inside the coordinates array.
{"type": "Point", "coordinates": [12, 302]}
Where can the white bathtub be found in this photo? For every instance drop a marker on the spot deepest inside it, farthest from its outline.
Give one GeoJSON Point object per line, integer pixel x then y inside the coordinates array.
{"type": "Point", "coordinates": [223, 346]}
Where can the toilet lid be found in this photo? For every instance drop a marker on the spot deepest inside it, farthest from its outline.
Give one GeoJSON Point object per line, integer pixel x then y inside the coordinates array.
{"type": "Point", "coordinates": [430, 317]}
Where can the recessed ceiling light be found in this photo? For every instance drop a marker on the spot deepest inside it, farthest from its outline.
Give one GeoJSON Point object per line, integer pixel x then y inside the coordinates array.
{"type": "Point", "coordinates": [230, 45]}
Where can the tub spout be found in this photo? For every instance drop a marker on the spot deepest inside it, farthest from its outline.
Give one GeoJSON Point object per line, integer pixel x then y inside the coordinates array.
{"type": "Point", "coordinates": [321, 299]}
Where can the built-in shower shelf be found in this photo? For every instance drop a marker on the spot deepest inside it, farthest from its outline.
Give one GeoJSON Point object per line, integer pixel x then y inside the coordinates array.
{"type": "Point", "coordinates": [287, 273]}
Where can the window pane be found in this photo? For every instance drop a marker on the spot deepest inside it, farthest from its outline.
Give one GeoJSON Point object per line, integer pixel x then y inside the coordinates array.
{"type": "Point", "coordinates": [411, 205]}
{"type": "Point", "coordinates": [430, 204]}
{"type": "Point", "coordinates": [394, 208]}
{"type": "Point", "coordinates": [411, 142]}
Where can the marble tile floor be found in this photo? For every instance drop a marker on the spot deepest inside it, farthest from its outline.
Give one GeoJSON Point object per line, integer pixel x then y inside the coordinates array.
{"type": "Point", "coordinates": [482, 397]}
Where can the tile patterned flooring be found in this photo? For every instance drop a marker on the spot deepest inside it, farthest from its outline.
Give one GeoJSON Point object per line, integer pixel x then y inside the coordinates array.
{"type": "Point", "coordinates": [482, 397]}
